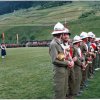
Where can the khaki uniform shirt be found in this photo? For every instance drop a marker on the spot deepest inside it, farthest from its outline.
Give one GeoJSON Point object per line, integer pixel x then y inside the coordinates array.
{"type": "Point", "coordinates": [54, 49]}
{"type": "Point", "coordinates": [76, 54]}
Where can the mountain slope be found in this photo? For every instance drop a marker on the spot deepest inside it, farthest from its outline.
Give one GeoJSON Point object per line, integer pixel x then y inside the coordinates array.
{"type": "Point", "coordinates": [39, 24]}
{"type": "Point", "coordinates": [46, 16]}
{"type": "Point", "coordinates": [11, 6]}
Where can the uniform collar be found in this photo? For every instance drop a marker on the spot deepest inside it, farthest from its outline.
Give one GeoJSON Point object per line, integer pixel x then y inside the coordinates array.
{"type": "Point", "coordinates": [58, 40]}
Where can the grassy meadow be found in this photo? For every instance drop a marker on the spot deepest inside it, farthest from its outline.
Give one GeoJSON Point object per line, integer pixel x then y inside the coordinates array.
{"type": "Point", "coordinates": [48, 16]}
{"type": "Point", "coordinates": [33, 24]}
{"type": "Point", "coordinates": [27, 73]}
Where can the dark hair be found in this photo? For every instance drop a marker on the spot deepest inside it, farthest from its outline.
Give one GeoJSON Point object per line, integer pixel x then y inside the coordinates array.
{"type": "Point", "coordinates": [2, 43]}
{"type": "Point", "coordinates": [57, 35]}
{"type": "Point", "coordinates": [66, 33]}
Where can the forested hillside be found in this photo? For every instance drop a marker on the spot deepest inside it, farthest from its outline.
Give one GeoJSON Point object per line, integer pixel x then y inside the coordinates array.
{"type": "Point", "coordinates": [11, 6]}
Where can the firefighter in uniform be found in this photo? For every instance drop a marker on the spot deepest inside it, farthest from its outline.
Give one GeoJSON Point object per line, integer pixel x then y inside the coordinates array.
{"type": "Point", "coordinates": [84, 49]}
{"type": "Point", "coordinates": [60, 64]}
{"type": "Point", "coordinates": [90, 40]}
{"type": "Point", "coordinates": [68, 54]}
{"type": "Point", "coordinates": [97, 52]}
{"type": "Point", "coordinates": [78, 64]}
{"type": "Point", "coordinates": [92, 49]}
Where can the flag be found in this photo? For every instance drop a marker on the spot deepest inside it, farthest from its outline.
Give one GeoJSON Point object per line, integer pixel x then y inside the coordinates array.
{"type": "Point", "coordinates": [17, 38]}
{"type": "Point", "coordinates": [66, 24]}
{"type": "Point", "coordinates": [3, 36]}
{"type": "Point", "coordinates": [93, 45]}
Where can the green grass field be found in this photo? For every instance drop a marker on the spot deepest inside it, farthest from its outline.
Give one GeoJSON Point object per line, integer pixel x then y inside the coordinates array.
{"type": "Point", "coordinates": [26, 73]}
{"type": "Point", "coordinates": [45, 16]}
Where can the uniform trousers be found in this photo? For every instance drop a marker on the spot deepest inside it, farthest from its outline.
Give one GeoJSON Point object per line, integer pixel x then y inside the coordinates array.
{"type": "Point", "coordinates": [71, 81]}
{"type": "Point", "coordinates": [78, 79]}
{"type": "Point", "coordinates": [60, 82]}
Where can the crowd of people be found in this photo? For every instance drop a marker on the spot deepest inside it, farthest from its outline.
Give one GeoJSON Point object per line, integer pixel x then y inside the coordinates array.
{"type": "Point", "coordinates": [74, 61]}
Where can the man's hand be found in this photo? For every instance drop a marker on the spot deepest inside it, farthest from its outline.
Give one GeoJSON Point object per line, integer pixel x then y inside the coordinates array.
{"type": "Point", "coordinates": [83, 66]}
{"type": "Point", "coordinates": [75, 59]}
{"type": "Point", "coordinates": [90, 58]}
{"type": "Point", "coordinates": [71, 64]}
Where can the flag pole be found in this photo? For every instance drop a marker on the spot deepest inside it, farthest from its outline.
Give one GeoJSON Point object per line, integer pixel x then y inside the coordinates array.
{"type": "Point", "coordinates": [66, 23]}
{"type": "Point", "coordinates": [3, 37]}
{"type": "Point", "coordinates": [17, 38]}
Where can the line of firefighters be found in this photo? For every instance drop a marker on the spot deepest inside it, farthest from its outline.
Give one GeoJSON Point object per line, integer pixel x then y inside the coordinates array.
{"type": "Point", "coordinates": [74, 61]}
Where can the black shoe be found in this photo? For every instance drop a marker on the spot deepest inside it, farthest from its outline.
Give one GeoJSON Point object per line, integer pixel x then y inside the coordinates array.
{"type": "Point", "coordinates": [81, 91]}
{"type": "Point", "coordinates": [78, 94]}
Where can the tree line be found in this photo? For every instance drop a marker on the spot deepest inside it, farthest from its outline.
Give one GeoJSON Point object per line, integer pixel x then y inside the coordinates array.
{"type": "Point", "coordinates": [10, 6]}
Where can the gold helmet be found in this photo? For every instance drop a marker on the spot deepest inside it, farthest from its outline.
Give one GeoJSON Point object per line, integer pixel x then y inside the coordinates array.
{"type": "Point", "coordinates": [61, 56]}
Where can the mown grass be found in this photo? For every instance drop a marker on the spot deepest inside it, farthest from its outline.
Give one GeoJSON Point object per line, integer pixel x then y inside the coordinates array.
{"type": "Point", "coordinates": [93, 91]}
{"type": "Point", "coordinates": [48, 16]}
{"type": "Point", "coordinates": [45, 16]}
{"type": "Point", "coordinates": [27, 73]}
{"type": "Point", "coordinates": [91, 23]}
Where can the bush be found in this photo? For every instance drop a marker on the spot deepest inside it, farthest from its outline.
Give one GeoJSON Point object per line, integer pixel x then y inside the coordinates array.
{"type": "Point", "coordinates": [86, 14]}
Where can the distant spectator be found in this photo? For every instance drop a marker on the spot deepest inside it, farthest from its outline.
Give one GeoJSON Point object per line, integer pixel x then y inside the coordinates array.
{"type": "Point", "coordinates": [3, 50]}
